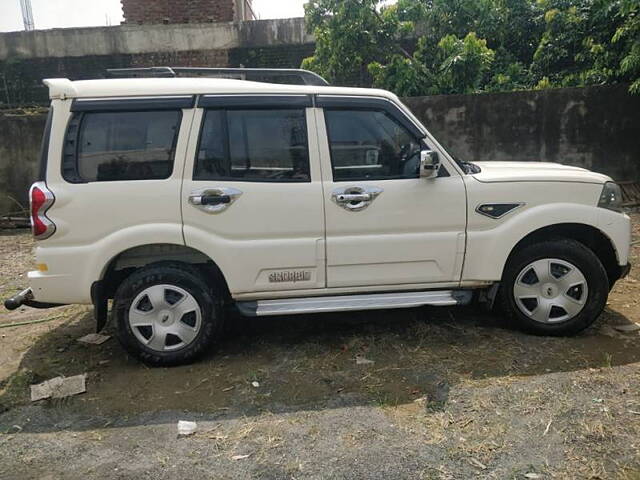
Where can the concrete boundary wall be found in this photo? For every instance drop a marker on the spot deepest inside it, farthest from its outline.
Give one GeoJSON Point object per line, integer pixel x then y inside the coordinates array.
{"type": "Point", "coordinates": [84, 53]}
{"type": "Point", "coordinates": [597, 128]}
{"type": "Point", "coordinates": [139, 39]}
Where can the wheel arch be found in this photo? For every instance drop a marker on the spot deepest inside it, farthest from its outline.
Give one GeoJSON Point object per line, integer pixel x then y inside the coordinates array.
{"type": "Point", "coordinates": [124, 263]}
{"type": "Point", "coordinates": [593, 238]}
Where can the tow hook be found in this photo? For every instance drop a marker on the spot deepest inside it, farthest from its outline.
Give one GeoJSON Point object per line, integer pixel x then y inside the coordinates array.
{"type": "Point", "coordinates": [25, 297]}
{"type": "Point", "coordinates": [18, 300]}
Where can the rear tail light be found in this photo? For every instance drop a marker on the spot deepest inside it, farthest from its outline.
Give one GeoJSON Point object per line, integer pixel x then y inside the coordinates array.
{"type": "Point", "coordinates": [41, 199]}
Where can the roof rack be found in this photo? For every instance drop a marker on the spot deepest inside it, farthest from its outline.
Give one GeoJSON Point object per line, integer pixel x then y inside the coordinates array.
{"type": "Point", "coordinates": [268, 75]}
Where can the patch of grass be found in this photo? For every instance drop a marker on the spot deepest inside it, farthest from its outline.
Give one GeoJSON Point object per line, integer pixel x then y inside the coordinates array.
{"type": "Point", "coordinates": [16, 390]}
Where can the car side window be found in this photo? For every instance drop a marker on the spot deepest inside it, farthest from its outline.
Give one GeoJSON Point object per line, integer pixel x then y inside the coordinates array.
{"type": "Point", "coordinates": [370, 145]}
{"type": "Point", "coordinates": [253, 146]}
{"type": "Point", "coordinates": [116, 146]}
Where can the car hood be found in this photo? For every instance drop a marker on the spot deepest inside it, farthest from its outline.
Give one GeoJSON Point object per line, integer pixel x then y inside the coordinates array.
{"type": "Point", "coordinates": [535, 172]}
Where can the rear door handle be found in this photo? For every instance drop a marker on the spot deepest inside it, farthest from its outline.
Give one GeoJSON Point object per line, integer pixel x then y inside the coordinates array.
{"type": "Point", "coordinates": [352, 197]}
{"type": "Point", "coordinates": [214, 200]}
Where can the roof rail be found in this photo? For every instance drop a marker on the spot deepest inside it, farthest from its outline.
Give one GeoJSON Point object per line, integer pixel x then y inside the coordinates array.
{"type": "Point", "coordinates": [268, 75]}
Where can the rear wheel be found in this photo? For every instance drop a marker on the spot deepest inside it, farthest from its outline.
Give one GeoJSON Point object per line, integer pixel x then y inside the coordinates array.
{"type": "Point", "coordinates": [166, 314]}
{"type": "Point", "coordinates": [557, 287]}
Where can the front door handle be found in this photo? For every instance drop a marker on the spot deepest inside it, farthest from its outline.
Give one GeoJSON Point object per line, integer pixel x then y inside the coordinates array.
{"type": "Point", "coordinates": [355, 198]}
{"type": "Point", "coordinates": [214, 200]}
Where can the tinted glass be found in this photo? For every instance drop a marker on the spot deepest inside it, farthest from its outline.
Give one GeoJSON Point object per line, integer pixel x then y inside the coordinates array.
{"type": "Point", "coordinates": [253, 145]}
{"type": "Point", "coordinates": [44, 147]}
{"type": "Point", "coordinates": [370, 145]}
{"type": "Point", "coordinates": [127, 145]}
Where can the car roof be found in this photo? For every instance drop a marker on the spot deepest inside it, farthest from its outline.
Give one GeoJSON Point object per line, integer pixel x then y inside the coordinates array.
{"type": "Point", "coordinates": [62, 88]}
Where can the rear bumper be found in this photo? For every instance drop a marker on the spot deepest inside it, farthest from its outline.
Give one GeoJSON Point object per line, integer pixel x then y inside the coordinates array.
{"type": "Point", "coordinates": [25, 297]}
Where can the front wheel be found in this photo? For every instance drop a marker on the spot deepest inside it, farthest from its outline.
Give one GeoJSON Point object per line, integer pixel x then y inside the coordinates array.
{"type": "Point", "coordinates": [556, 287]}
{"type": "Point", "coordinates": [166, 314]}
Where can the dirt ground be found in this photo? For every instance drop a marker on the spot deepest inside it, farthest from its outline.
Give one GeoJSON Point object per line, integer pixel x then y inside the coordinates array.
{"type": "Point", "coordinates": [452, 393]}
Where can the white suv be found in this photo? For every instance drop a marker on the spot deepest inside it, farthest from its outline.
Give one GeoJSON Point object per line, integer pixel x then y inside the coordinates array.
{"type": "Point", "coordinates": [181, 197]}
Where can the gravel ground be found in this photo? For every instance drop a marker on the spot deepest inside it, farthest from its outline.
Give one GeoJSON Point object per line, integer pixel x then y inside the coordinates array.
{"type": "Point", "coordinates": [451, 393]}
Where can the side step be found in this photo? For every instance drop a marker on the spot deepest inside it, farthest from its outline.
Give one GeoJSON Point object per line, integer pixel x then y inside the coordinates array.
{"type": "Point", "coordinates": [345, 303]}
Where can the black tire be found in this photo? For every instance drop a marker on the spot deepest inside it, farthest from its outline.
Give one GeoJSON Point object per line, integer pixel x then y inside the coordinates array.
{"type": "Point", "coordinates": [184, 277]}
{"type": "Point", "coordinates": [572, 252]}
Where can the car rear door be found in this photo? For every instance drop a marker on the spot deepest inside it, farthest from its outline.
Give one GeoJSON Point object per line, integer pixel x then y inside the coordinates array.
{"type": "Point", "coordinates": [252, 192]}
{"type": "Point", "coordinates": [410, 231]}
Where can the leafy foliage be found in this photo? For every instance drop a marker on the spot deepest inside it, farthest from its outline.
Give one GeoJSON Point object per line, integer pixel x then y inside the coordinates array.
{"type": "Point", "coordinates": [417, 47]}
{"type": "Point", "coordinates": [628, 34]}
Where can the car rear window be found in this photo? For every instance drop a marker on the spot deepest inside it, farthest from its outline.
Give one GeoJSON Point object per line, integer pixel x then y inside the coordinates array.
{"type": "Point", "coordinates": [253, 146]}
{"type": "Point", "coordinates": [117, 146]}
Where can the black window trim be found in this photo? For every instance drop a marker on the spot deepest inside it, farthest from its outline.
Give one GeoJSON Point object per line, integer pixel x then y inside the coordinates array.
{"type": "Point", "coordinates": [256, 102]}
{"type": "Point", "coordinates": [347, 102]}
{"type": "Point", "coordinates": [44, 147]}
{"type": "Point", "coordinates": [70, 160]}
{"type": "Point", "coordinates": [227, 146]}
{"type": "Point", "coordinates": [138, 104]}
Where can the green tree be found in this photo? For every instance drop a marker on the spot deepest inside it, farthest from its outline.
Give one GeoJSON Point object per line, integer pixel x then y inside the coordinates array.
{"type": "Point", "coordinates": [464, 63]}
{"type": "Point", "coordinates": [628, 35]}
{"type": "Point", "coordinates": [575, 48]}
{"type": "Point", "coordinates": [417, 47]}
{"type": "Point", "coordinates": [350, 34]}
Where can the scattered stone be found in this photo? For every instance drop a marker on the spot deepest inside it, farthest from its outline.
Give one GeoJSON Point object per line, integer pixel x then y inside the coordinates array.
{"type": "Point", "coordinates": [186, 428]}
{"type": "Point", "coordinates": [477, 463]}
{"type": "Point", "coordinates": [14, 429]}
{"type": "Point", "coordinates": [627, 327]}
{"type": "Point", "coordinates": [59, 387]}
{"type": "Point", "coordinates": [255, 384]}
{"type": "Point", "coordinates": [94, 339]}
{"type": "Point", "coordinates": [609, 331]}
{"type": "Point", "coordinates": [361, 360]}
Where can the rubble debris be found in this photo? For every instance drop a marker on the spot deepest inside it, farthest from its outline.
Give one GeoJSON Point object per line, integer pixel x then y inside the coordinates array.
{"type": "Point", "coordinates": [59, 387]}
{"type": "Point", "coordinates": [14, 429]}
{"type": "Point", "coordinates": [94, 339]}
{"type": "Point", "coordinates": [477, 463]}
{"type": "Point", "coordinates": [255, 384]}
{"type": "Point", "coordinates": [186, 428]}
{"type": "Point", "coordinates": [627, 327]}
{"type": "Point", "coordinates": [630, 193]}
{"type": "Point", "coordinates": [240, 457]}
{"type": "Point", "coordinates": [361, 360]}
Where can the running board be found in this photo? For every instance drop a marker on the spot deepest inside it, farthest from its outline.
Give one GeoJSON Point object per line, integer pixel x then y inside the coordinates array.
{"type": "Point", "coordinates": [345, 303]}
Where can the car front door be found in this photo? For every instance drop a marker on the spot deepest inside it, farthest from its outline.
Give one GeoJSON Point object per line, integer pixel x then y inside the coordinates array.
{"type": "Point", "coordinates": [386, 226]}
{"type": "Point", "coordinates": [252, 193]}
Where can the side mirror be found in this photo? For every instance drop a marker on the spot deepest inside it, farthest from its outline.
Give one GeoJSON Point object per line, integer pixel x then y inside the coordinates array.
{"type": "Point", "coordinates": [429, 164]}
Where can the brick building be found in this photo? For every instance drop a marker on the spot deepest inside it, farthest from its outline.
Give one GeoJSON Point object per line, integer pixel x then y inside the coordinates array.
{"type": "Point", "coordinates": [186, 11]}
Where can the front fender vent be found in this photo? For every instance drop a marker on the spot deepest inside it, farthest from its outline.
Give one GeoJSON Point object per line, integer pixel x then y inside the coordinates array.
{"type": "Point", "coordinates": [497, 210]}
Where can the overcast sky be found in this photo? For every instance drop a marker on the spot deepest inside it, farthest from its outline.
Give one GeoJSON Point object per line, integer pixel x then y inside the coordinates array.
{"type": "Point", "coordinates": [85, 13]}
